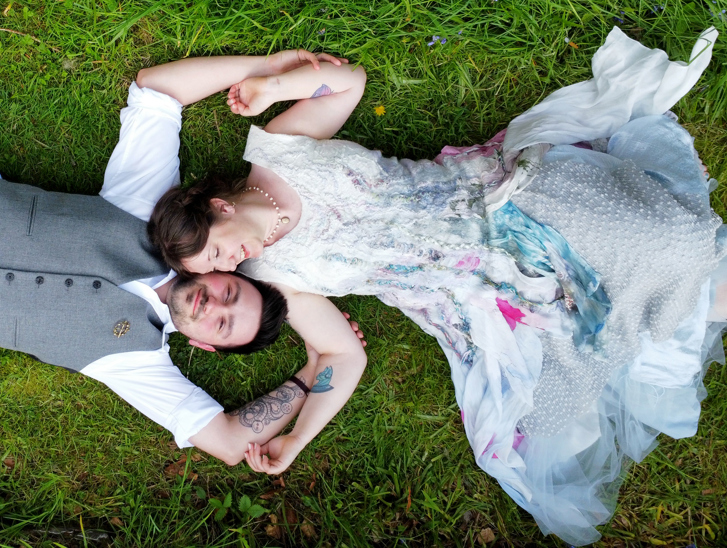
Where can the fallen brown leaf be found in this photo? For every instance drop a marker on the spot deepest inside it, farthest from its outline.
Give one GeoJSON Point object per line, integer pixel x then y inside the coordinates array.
{"type": "Point", "coordinates": [486, 536]}
{"type": "Point", "coordinates": [707, 491]}
{"type": "Point", "coordinates": [171, 470]}
{"type": "Point", "coordinates": [9, 462]}
{"type": "Point", "coordinates": [163, 494]}
{"type": "Point", "coordinates": [408, 501]}
{"type": "Point", "coordinates": [274, 531]}
{"type": "Point", "coordinates": [279, 482]}
{"type": "Point", "coordinates": [270, 494]}
{"type": "Point", "coordinates": [290, 516]}
{"type": "Point", "coordinates": [308, 530]}
{"type": "Point", "coordinates": [117, 522]}
{"type": "Point", "coordinates": [196, 457]}
{"type": "Point", "coordinates": [312, 483]}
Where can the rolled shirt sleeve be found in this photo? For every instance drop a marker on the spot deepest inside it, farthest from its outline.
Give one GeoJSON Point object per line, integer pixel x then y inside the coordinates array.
{"type": "Point", "coordinates": [145, 162]}
{"type": "Point", "coordinates": [144, 165]}
{"type": "Point", "coordinates": [151, 383]}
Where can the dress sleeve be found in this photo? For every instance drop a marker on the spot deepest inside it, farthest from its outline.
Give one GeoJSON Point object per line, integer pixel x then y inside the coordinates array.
{"type": "Point", "coordinates": [145, 162]}
{"type": "Point", "coordinates": [272, 150]}
{"type": "Point", "coordinates": [629, 81]}
{"type": "Point", "coordinates": [665, 151]}
{"type": "Point", "coordinates": [152, 384]}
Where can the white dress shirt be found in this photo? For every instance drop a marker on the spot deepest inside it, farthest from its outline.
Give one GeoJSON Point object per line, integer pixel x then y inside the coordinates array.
{"type": "Point", "coordinates": [144, 165]}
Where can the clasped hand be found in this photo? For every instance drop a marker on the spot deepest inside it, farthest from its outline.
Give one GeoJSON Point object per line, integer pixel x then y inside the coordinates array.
{"type": "Point", "coordinates": [275, 456]}
{"type": "Point", "coordinates": [251, 96]}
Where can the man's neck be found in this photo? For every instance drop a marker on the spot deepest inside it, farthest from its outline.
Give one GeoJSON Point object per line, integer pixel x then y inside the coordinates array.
{"type": "Point", "coordinates": [163, 290]}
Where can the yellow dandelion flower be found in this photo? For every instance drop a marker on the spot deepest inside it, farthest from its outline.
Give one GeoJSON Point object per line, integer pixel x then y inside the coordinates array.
{"type": "Point", "coordinates": [380, 110]}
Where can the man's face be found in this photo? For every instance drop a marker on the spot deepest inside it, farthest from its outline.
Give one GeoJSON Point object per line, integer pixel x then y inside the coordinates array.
{"type": "Point", "coordinates": [216, 310]}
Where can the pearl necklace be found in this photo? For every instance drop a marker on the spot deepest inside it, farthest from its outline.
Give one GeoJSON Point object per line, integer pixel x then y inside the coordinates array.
{"type": "Point", "coordinates": [283, 220]}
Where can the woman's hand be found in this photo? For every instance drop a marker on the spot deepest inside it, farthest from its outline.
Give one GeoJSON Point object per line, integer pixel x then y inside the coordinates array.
{"type": "Point", "coordinates": [253, 96]}
{"type": "Point", "coordinates": [250, 97]}
{"type": "Point", "coordinates": [275, 456]}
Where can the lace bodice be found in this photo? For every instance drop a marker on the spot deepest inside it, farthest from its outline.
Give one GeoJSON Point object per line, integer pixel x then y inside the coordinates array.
{"type": "Point", "coordinates": [368, 222]}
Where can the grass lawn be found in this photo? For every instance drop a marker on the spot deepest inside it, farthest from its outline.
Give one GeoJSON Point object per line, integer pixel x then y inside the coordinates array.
{"type": "Point", "coordinates": [82, 468]}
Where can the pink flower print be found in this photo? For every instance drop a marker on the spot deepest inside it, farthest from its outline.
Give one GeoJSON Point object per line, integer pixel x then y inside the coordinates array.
{"type": "Point", "coordinates": [469, 263]}
{"type": "Point", "coordinates": [515, 443]}
{"type": "Point", "coordinates": [512, 315]}
{"type": "Point", "coordinates": [518, 439]}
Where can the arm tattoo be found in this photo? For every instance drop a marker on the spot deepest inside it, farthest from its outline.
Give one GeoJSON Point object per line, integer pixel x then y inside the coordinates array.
{"type": "Point", "coordinates": [321, 91]}
{"type": "Point", "coordinates": [268, 408]}
{"type": "Point", "coordinates": [324, 381]}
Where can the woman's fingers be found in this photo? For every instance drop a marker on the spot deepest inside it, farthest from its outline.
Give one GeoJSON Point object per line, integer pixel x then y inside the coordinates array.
{"type": "Point", "coordinates": [258, 460]}
{"type": "Point", "coordinates": [233, 99]}
{"type": "Point", "coordinates": [254, 458]}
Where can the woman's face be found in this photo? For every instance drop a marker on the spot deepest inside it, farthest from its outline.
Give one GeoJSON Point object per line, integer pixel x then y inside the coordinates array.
{"type": "Point", "coordinates": [229, 243]}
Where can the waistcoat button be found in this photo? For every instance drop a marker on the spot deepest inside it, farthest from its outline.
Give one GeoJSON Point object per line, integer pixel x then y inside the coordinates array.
{"type": "Point", "coordinates": [39, 280]}
{"type": "Point", "coordinates": [10, 276]}
{"type": "Point", "coordinates": [97, 284]}
{"type": "Point", "coordinates": [69, 282]}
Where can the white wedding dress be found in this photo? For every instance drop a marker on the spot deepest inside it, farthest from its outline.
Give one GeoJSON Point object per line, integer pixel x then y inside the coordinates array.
{"type": "Point", "coordinates": [568, 285]}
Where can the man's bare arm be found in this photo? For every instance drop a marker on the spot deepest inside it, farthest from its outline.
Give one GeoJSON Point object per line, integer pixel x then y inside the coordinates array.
{"type": "Point", "coordinates": [230, 435]}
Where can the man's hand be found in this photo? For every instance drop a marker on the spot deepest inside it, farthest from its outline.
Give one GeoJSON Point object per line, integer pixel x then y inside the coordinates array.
{"type": "Point", "coordinates": [285, 61]}
{"type": "Point", "coordinates": [313, 354]}
{"type": "Point", "coordinates": [275, 456]}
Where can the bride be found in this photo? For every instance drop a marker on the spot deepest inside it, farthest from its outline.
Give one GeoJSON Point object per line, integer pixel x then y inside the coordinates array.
{"type": "Point", "coordinates": [571, 267]}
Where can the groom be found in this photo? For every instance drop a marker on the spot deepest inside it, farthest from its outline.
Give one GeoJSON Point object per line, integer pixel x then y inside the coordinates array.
{"type": "Point", "coordinates": [80, 287]}
{"type": "Point", "coordinates": [74, 293]}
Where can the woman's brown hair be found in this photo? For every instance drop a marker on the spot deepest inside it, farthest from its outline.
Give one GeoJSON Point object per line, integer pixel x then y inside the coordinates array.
{"type": "Point", "coordinates": [180, 223]}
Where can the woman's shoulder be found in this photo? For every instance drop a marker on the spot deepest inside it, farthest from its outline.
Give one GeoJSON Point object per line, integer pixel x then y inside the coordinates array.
{"type": "Point", "coordinates": [262, 147]}
{"type": "Point", "coordinates": [275, 149]}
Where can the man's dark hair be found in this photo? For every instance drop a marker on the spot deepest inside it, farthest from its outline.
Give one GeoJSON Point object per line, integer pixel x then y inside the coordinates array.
{"type": "Point", "coordinates": [180, 223]}
{"type": "Point", "coordinates": [274, 312]}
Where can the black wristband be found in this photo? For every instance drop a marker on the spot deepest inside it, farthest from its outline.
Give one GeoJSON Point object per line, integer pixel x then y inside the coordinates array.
{"type": "Point", "coordinates": [300, 384]}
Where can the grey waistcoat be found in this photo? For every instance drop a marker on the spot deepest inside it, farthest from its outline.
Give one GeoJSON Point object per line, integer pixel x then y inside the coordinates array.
{"type": "Point", "coordinates": [62, 258]}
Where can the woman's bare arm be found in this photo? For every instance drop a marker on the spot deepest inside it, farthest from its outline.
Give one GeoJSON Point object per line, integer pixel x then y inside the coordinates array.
{"type": "Point", "coordinates": [190, 80]}
{"type": "Point", "coordinates": [229, 436]}
{"type": "Point", "coordinates": [326, 98]}
{"type": "Point", "coordinates": [339, 366]}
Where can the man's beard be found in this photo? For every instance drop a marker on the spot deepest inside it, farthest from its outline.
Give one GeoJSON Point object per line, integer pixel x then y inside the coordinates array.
{"type": "Point", "coordinates": [175, 301]}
